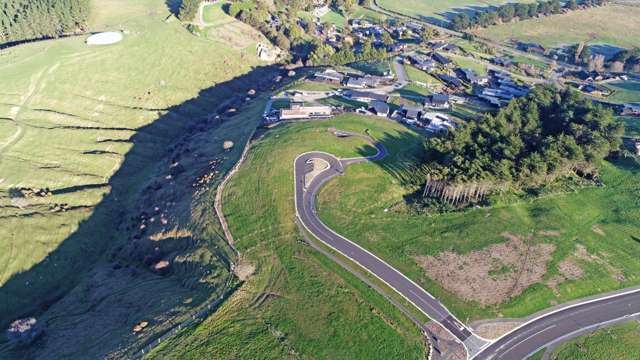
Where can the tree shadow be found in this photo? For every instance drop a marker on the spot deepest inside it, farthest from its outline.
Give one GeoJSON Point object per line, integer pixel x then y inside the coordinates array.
{"type": "Point", "coordinates": [405, 151]}
{"type": "Point", "coordinates": [173, 6]}
{"type": "Point", "coordinates": [117, 234]}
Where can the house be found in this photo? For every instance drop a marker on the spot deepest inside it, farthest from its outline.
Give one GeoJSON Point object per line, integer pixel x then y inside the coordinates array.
{"type": "Point", "coordinates": [414, 26]}
{"type": "Point", "coordinates": [472, 78]}
{"type": "Point", "coordinates": [299, 111]}
{"type": "Point", "coordinates": [501, 61]}
{"type": "Point", "coordinates": [329, 75]}
{"type": "Point", "coordinates": [379, 108]}
{"type": "Point", "coordinates": [366, 96]}
{"type": "Point", "coordinates": [532, 48]}
{"type": "Point", "coordinates": [631, 109]}
{"type": "Point", "coordinates": [437, 101]}
{"type": "Point", "coordinates": [411, 114]}
{"type": "Point", "coordinates": [437, 123]}
{"type": "Point", "coordinates": [373, 81]}
{"type": "Point", "coordinates": [451, 81]}
{"type": "Point", "coordinates": [356, 83]}
{"type": "Point", "coordinates": [423, 63]}
{"type": "Point", "coordinates": [446, 47]}
{"type": "Point", "coordinates": [441, 59]}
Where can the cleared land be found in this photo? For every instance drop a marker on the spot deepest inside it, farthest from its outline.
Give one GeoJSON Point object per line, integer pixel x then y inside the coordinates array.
{"type": "Point", "coordinates": [299, 303]}
{"type": "Point", "coordinates": [92, 126]}
{"type": "Point", "coordinates": [619, 342]}
{"type": "Point", "coordinates": [614, 25]}
{"type": "Point", "coordinates": [584, 241]}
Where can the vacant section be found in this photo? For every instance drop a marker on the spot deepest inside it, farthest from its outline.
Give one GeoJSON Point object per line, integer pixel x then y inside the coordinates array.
{"type": "Point", "coordinates": [492, 275]}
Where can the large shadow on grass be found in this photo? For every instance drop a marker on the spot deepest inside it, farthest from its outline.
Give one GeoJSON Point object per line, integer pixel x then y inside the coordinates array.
{"type": "Point", "coordinates": [111, 235]}
{"type": "Point", "coordinates": [405, 152]}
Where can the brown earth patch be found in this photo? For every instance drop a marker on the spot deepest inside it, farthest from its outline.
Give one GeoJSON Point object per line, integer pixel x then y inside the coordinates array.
{"type": "Point", "coordinates": [492, 275]}
{"type": "Point", "coordinates": [494, 330]}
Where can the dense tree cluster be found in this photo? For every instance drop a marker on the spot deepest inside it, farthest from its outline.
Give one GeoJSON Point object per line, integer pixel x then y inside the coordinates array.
{"type": "Point", "coordinates": [547, 134]}
{"type": "Point", "coordinates": [521, 11]}
{"type": "Point", "coordinates": [37, 19]}
{"type": "Point", "coordinates": [283, 26]}
{"type": "Point", "coordinates": [626, 60]}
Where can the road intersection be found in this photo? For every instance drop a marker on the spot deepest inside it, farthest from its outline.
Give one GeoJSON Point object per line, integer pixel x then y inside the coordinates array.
{"type": "Point", "coordinates": [519, 343]}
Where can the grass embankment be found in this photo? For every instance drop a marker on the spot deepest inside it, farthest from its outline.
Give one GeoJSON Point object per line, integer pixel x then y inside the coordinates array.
{"type": "Point", "coordinates": [299, 303]}
{"type": "Point", "coordinates": [92, 124]}
{"type": "Point", "coordinates": [603, 220]}
{"type": "Point", "coordinates": [599, 25]}
{"type": "Point", "coordinates": [619, 342]}
{"type": "Point", "coordinates": [220, 27]}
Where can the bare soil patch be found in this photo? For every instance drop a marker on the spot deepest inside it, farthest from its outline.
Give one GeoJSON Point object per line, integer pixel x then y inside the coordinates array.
{"type": "Point", "coordinates": [492, 275]}
{"type": "Point", "coordinates": [494, 330]}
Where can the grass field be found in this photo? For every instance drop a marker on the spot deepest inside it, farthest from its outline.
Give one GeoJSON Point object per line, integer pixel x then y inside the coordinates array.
{"type": "Point", "coordinates": [600, 25]}
{"type": "Point", "coordinates": [93, 125]}
{"type": "Point", "coordinates": [624, 91]}
{"type": "Point", "coordinates": [298, 302]}
{"type": "Point", "coordinates": [619, 342]}
{"type": "Point", "coordinates": [603, 222]}
{"type": "Point", "coordinates": [436, 11]}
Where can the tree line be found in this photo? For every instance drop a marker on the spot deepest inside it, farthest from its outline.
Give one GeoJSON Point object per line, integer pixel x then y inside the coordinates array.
{"type": "Point", "coordinates": [531, 142]}
{"type": "Point", "coordinates": [22, 20]}
{"type": "Point", "coordinates": [521, 11]}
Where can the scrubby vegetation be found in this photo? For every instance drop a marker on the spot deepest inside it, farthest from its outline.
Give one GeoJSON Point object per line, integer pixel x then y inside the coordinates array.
{"type": "Point", "coordinates": [37, 19]}
{"type": "Point", "coordinates": [532, 141]}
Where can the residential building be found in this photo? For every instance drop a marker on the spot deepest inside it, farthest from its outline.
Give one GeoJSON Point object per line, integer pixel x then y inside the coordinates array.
{"type": "Point", "coordinates": [356, 83]}
{"type": "Point", "coordinates": [437, 122]}
{"type": "Point", "coordinates": [329, 75]}
{"type": "Point", "coordinates": [441, 59]}
{"type": "Point", "coordinates": [379, 108]}
{"type": "Point", "coordinates": [299, 111]}
{"type": "Point", "coordinates": [472, 78]}
{"type": "Point", "coordinates": [437, 101]}
{"type": "Point", "coordinates": [366, 96]}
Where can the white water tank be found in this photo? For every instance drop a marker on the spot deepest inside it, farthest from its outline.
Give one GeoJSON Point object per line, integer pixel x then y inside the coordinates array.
{"type": "Point", "coordinates": [105, 38]}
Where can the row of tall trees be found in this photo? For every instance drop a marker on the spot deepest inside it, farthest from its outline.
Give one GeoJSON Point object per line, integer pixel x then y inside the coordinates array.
{"type": "Point", "coordinates": [531, 142]}
{"type": "Point", "coordinates": [521, 11]}
{"type": "Point", "coordinates": [37, 19]}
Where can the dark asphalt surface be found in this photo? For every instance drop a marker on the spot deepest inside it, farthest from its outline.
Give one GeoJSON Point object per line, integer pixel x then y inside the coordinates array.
{"type": "Point", "coordinates": [549, 328]}
{"type": "Point", "coordinates": [305, 205]}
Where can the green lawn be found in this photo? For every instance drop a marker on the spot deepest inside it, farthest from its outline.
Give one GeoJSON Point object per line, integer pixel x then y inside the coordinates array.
{"type": "Point", "coordinates": [597, 26]}
{"type": "Point", "coordinates": [335, 18]}
{"type": "Point", "coordinates": [298, 302]}
{"type": "Point", "coordinates": [619, 342]}
{"type": "Point", "coordinates": [604, 220]}
{"type": "Point", "coordinates": [624, 91]}
{"type": "Point", "coordinates": [467, 63]}
{"type": "Point", "coordinates": [214, 15]}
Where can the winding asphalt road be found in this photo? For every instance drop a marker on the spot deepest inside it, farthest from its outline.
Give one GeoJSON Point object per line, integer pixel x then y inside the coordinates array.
{"type": "Point", "coordinates": [548, 329]}
{"type": "Point", "coordinates": [306, 211]}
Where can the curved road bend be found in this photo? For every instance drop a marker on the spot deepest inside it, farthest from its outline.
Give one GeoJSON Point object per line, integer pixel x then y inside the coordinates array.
{"type": "Point", "coordinates": [305, 195]}
{"type": "Point", "coordinates": [553, 327]}
{"type": "Point", "coordinates": [563, 324]}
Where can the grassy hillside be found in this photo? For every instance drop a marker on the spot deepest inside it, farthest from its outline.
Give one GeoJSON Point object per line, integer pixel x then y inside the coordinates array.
{"type": "Point", "coordinates": [601, 25]}
{"type": "Point", "coordinates": [299, 304]}
{"type": "Point", "coordinates": [586, 239]}
{"type": "Point", "coordinates": [88, 136]}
